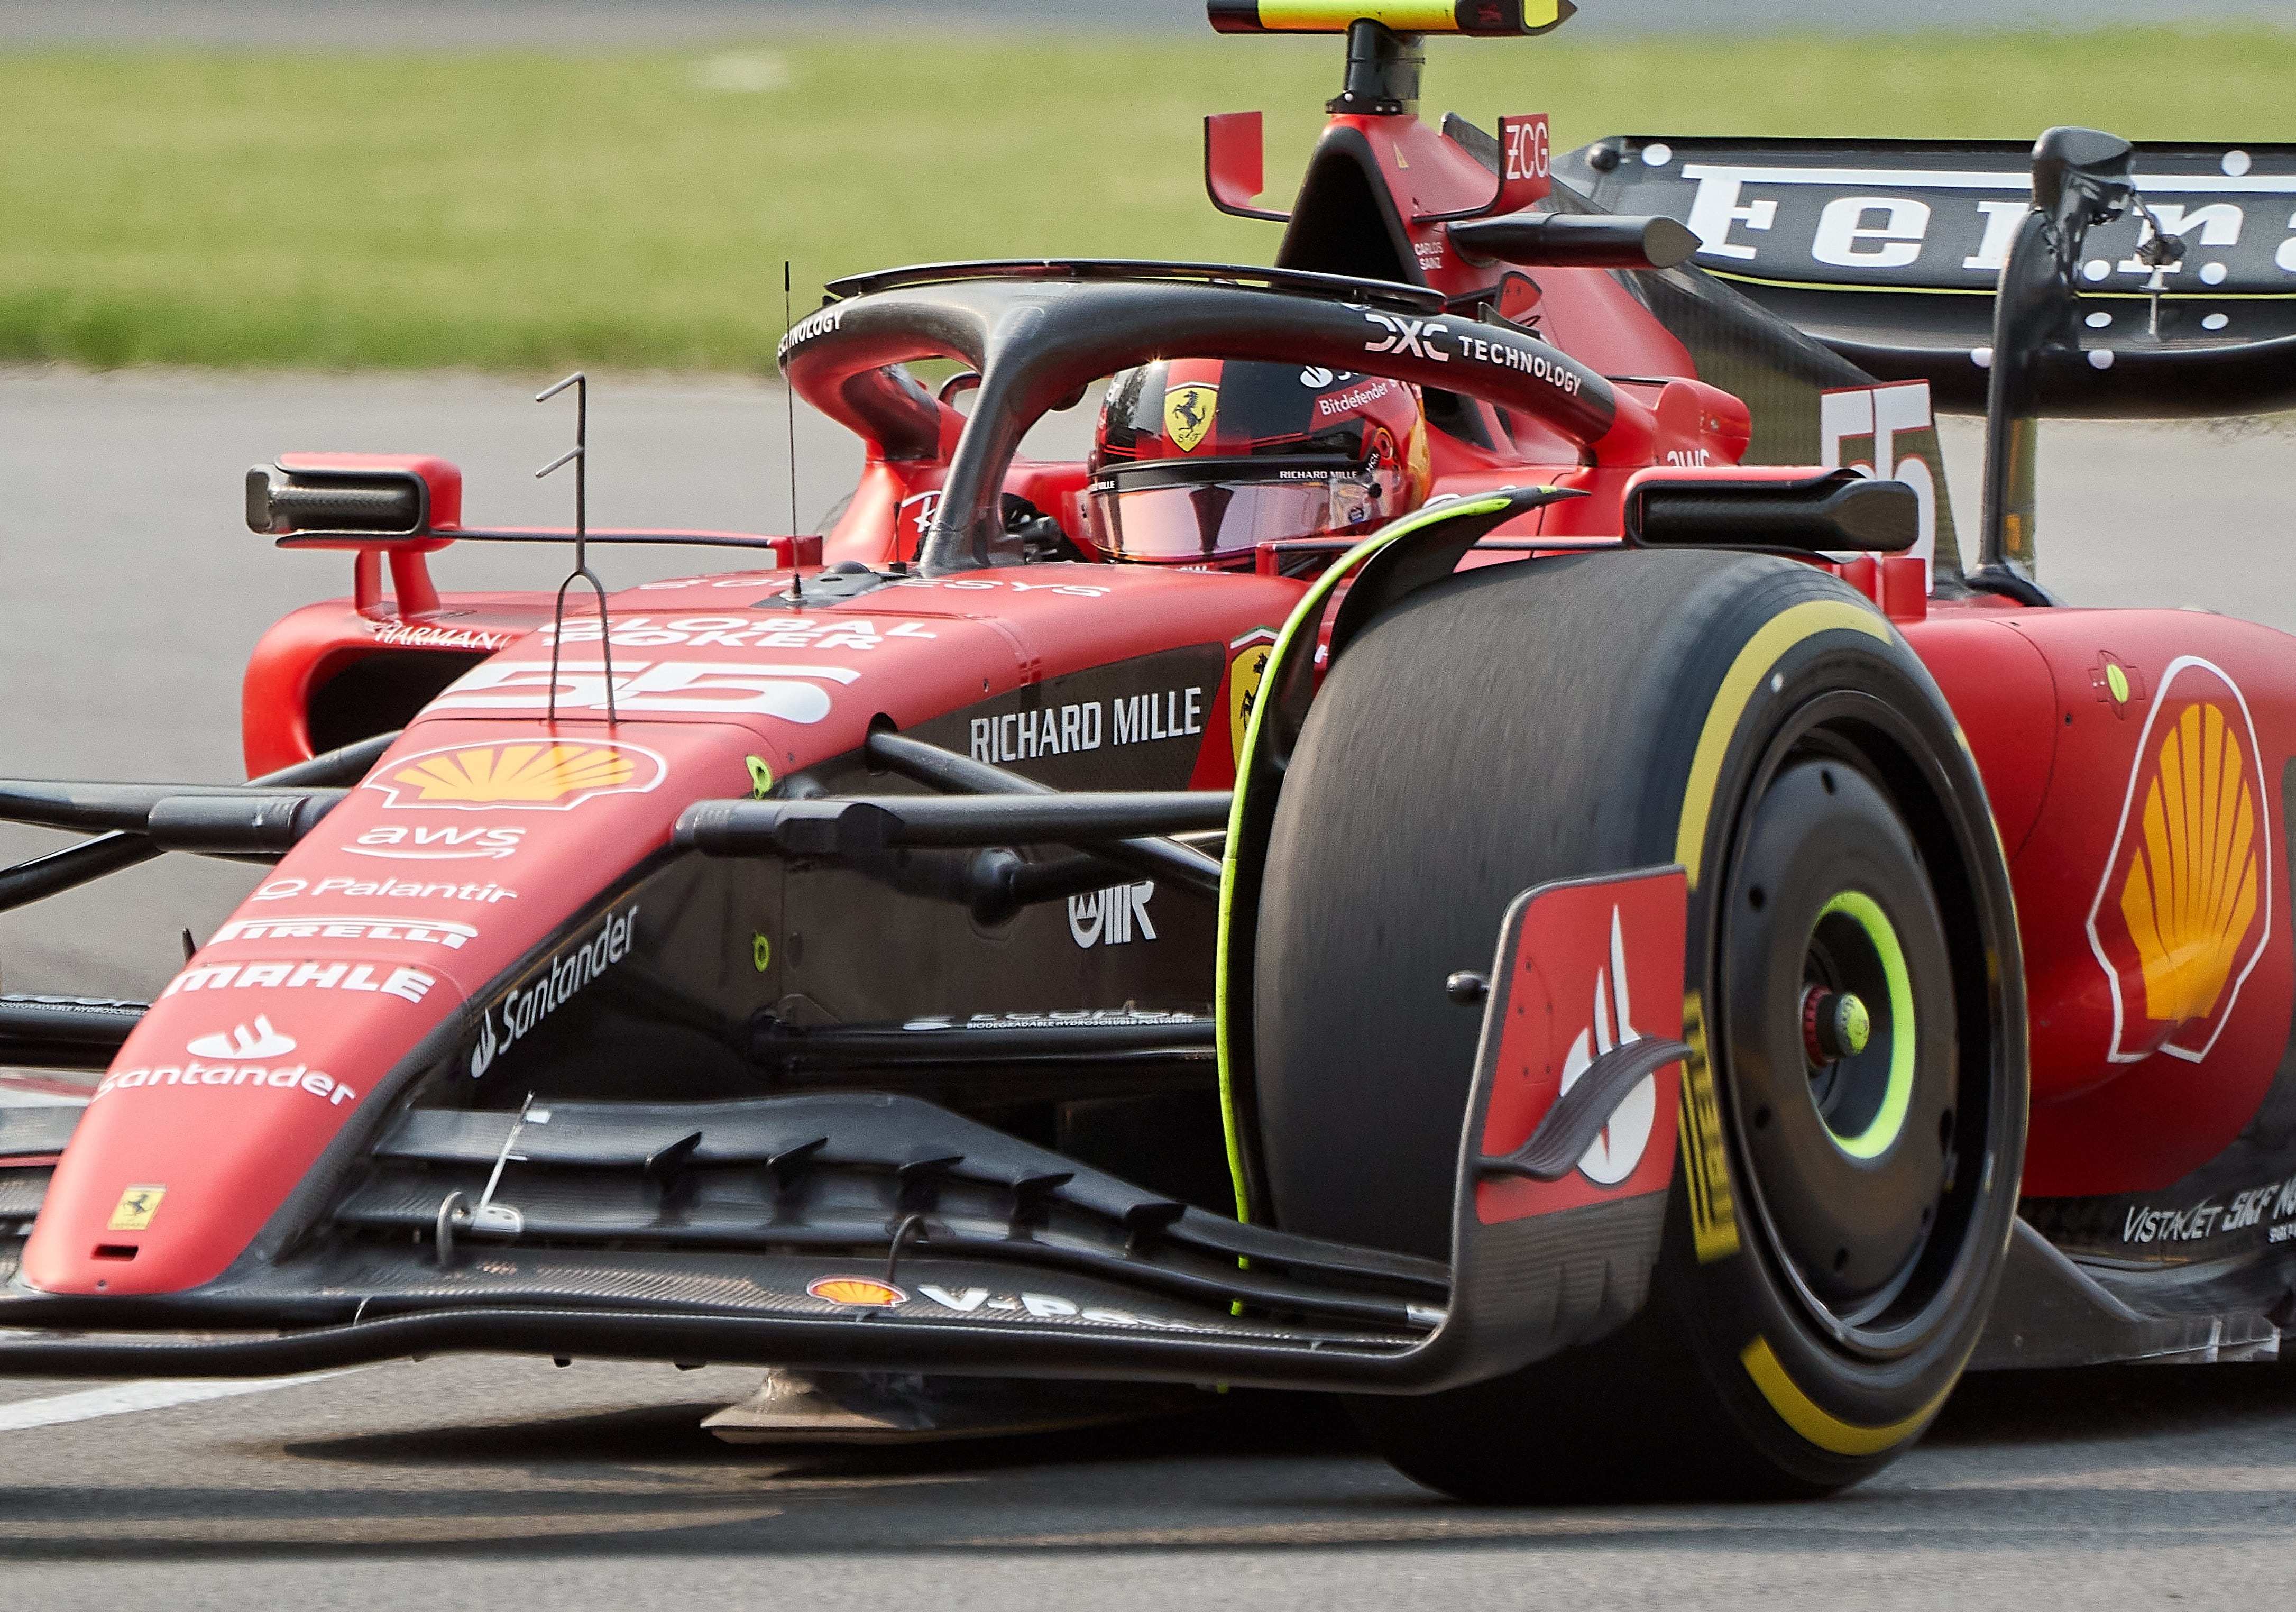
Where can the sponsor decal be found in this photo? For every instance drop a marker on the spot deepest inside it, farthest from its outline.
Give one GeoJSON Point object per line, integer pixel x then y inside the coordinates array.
{"type": "Point", "coordinates": [433, 932]}
{"type": "Point", "coordinates": [368, 890]}
{"type": "Point", "coordinates": [1705, 1159]}
{"type": "Point", "coordinates": [703, 687]}
{"type": "Point", "coordinates": [974, 584]}
{"type": "Point", "coordinates": [1023, 735]}
{"type": "Point", "coordinates": [1889, 432]}
{"type": "Point", "coordinates": [1247, 666]}
{"type": "Point", "coordinates": [1417, 338]}
{"type": "Point", "coordinates": [1910, 225]}
{"type": "Point", "coordinates": [555, 982]}
{"type": "Point", "coordinates": [2185, 907]}
{"type": "Point", "coordinates": [532, 774]}
{"type": "Point", "coordinates": [1095, 1017]}
{"type": "Point", "coordinates": [1112, 917]}
{"type": "Point", "coordinates": [1355, 397]}
{"type": "Point", "coordinates": [1133, 724]}
{"type": "Point", "coordinates": [822, 323]}
{"type": "Point", "coordinates": [1525, 175]}
{"type": "Point", "coordinates": [1572, 957]}
{"type": "Point", "coordinates": [134, 1209]}
{"type": "Point", "coordinates": [254, 1077]}
{"type": "Point", "coordinates": [444, 843]}
{"type": "Point", "coordinates": [404, 634]}
{"type": "Point", "coordinates": [913, 521]}
{"type": "Point", "coordinates": [1688, 458]}
{"type": "Point", "coordinates": [1188, 412]}
{"type": "Point", "coordinates": [860, 1292]}
{"type": "Point", "coordinates": [2272, 1205]}
{"type": "Point", "coordinates": [408, 984]}
{"type": "Point", "coordinates": [1042, 1306]}
{"type": "Point", "coordinates": [743, 581]}
{"type": "Point", "coordinates": [1428, 338]}
{"type": "Point", "coordinates": [738, 632]}
{"type": "Point", "coordinates": [1140, 718]}
{"type": "Point", "coordinates": [1619, 1147]}
{"type": "Point", "coordinates": [260, 1040]}
{"type": "Point", "coordinates": [1316, 377]}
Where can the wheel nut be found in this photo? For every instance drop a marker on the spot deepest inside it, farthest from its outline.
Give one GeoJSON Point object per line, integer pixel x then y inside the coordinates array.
{"type": "Point", "coordinates": [1834, 1024]}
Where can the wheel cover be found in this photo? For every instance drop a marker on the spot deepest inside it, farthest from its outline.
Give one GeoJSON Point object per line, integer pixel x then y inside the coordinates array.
{"type": "Point", "coordinates": [1887, 1041]}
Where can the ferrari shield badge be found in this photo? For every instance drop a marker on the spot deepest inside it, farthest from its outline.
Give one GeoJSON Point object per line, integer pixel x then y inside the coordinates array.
{"type": "Point", "coordinates": [2186, 904]}
{"type": "Point", "coordinates": [1188, 412]}
{"type": "Point", "coordinates": [136, 1208]}
{"type": "Point", "coordinates": [1247, 666]}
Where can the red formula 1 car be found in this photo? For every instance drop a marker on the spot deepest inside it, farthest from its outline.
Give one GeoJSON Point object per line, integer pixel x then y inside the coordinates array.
{"type": "Point", "coordinates": [1488, 852]}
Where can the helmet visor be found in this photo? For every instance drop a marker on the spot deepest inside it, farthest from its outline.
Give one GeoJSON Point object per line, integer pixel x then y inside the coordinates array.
{"type": "Point", "coordinates": [1211, 511]}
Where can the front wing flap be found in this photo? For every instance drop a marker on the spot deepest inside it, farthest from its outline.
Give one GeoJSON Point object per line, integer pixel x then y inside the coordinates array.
{"type": "Point", "coordinates": [859, 1230]}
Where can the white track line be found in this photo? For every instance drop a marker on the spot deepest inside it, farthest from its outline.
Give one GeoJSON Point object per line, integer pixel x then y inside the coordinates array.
{"type": "Point", "coordinates": [119, 1399]}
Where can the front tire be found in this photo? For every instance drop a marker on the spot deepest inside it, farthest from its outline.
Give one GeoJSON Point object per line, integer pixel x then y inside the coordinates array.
{"type": "Point", "coordinates": [1840, 1212]}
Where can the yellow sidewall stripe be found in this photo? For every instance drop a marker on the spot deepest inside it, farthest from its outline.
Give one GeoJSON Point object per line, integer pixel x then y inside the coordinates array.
{"type": "Point", "coordinates": [1763, 651]}
{"type": "Point", "coordinates": [1821, 1426]}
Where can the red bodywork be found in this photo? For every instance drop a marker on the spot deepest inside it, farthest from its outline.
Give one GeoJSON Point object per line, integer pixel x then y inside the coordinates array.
{"type": "Point", "coordinates": [2128, 756]}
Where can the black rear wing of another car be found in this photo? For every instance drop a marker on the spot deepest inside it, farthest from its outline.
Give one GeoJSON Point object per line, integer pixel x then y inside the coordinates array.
{"type": "Point", "coordinates": [1889, 252]}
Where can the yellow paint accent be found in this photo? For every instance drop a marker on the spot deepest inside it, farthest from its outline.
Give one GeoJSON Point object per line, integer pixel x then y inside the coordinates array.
{"type": "Point", "coordinates": [1404, 16]}
{"type": "Point", "coordinates": [2117, 681]}
{"type": "Point", "coordinates": [136, 1208]}
{"type": "Point", "coordinates": [1817, 1425]}
{"type": "Point", "coordinates": [1705, 1160]}
{"type": "Point", "coordinates": [2190, 892]}
{"type": "Point", "coordinates": [516, 772]}
{"type": "Point", "coordinates": [1188, 412]}
{"type": "Point", "coordinates": [1763, 651]}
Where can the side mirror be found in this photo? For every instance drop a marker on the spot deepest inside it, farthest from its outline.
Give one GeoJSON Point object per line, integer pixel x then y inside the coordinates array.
{"type": "Point", "coordinates": [2083, 167]}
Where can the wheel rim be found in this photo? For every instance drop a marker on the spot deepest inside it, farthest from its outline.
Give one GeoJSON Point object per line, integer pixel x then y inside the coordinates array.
{"type": "Point", "coordinates": [1850, 1150]}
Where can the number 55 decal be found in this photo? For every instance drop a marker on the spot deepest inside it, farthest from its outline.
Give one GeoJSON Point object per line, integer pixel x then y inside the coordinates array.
{"type": "Point", "coordinates": [1888, 431]}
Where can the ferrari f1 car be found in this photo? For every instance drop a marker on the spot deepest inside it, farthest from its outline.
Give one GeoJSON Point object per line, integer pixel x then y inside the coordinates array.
{"type": "Point", "coordinates": [1549, 896]}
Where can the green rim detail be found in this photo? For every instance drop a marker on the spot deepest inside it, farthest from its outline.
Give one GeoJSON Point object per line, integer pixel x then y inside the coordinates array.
{"type": "Point", "coordinates": [1300, 628]}
{"type": "Point", "coordinates": [1866, 913]}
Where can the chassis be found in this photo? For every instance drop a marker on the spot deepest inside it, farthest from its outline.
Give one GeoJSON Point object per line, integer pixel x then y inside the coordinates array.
{"type": "Point", "coordinates": [905, 954]}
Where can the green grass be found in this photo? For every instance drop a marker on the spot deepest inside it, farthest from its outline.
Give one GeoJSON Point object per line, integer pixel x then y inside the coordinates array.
{"type": "Point", "coordinates": [529, 211]}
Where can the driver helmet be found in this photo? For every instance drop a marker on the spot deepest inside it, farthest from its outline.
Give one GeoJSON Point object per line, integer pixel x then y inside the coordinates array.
{"type": "Point", "coordinates": [1196, 460]}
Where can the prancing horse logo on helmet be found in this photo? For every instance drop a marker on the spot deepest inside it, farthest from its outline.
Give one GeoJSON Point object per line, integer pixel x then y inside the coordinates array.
{"type": "Point", "coordinates": [1188, 412]}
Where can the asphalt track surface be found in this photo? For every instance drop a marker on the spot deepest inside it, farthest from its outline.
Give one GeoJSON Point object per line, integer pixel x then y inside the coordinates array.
{"type": "Point", "coordinates": [129, 593]}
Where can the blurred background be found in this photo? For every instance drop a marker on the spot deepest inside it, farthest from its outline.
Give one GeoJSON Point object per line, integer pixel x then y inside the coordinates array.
{"type": "Point", "coordinates": [534, 184]}
{"type": "Point", "coordinates": [230, 228]}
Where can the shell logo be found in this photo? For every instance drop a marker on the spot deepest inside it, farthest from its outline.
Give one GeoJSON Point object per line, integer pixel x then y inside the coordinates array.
{"type": "Point", "coordinates": [2186, 905]}
{"type": "Point", "coordinates": [528, 773]}
{"type": "Point", "coordinates": [859, 1291]}
{"type": "Point", "coordinates": [2190, 892]}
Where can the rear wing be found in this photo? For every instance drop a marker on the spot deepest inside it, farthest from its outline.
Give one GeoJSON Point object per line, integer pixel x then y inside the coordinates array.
{"type": "Point", "coordinates": [1889, 252]}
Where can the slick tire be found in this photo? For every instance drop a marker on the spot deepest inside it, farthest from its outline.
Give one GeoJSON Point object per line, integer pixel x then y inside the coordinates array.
{"type": "Point", "coordinates": [1836, 1220]}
